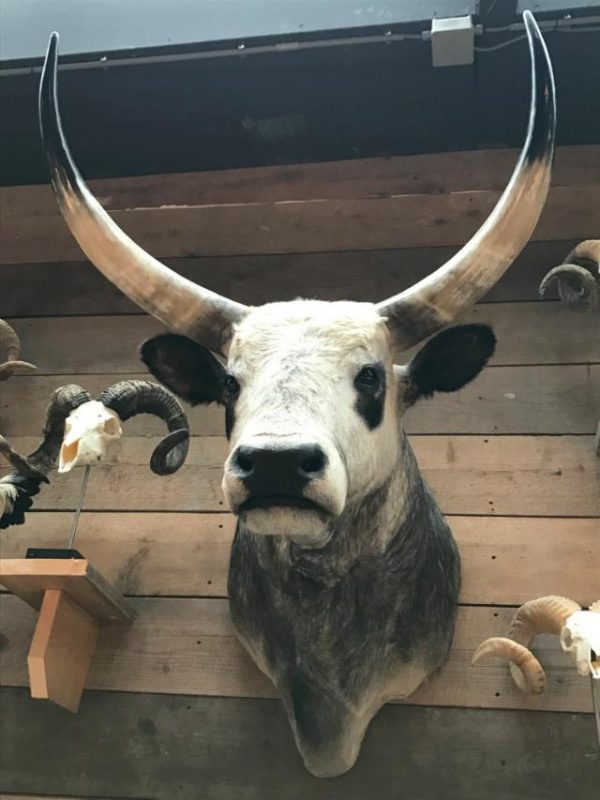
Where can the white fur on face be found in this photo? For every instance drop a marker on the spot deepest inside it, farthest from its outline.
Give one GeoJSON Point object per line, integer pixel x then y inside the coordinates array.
{"type": "Point", "coordinates": [296, 363]}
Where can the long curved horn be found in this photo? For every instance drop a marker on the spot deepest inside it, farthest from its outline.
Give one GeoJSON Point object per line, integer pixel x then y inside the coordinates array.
{"type": "Point", "coordinates": [577, 279]}
{"type": "Point", "coordinates": [129, 398]}
{"type": "Point", "coordinates": [10, 345]}
{"type": "Point", "coordinates": [183, 306]}
{"type": "Point", "coordinates": [526, 670]}
{"type": "Point", "coordinates": [543, 615]}
{"type": "Point", "coordinates": [434, 301]}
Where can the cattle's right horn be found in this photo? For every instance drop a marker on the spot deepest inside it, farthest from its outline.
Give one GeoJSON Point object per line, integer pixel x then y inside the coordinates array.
{"type": "Point", "coordinates": [182, 305]}
{"type": "Point", "coordinates": [9, 343]}
{"type": "Point", "coordinates": [526, 670]}
{"type": "Point", "coordinates": [436, 300]}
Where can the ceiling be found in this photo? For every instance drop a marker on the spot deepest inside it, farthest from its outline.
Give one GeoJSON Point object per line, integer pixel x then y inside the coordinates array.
{"type": "Point", "coordinates": [350, 94]}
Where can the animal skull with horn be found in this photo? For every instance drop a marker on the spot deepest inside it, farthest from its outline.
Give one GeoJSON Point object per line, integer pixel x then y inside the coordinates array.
{"type": "Point", "coordinates": [577, 278]}
{"type": "Point", "coordinates": [579, 633]}
{"type": "Point", "coordinates": [344, 576]}
{"type": "Point", "coordinates": [79, 430]}
{"type": "Point", "coordinates": [10, 345]}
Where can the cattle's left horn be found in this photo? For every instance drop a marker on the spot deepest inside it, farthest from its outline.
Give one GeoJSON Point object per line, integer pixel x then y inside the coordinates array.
{"type": "Point", "coordinates": [526, 670]}
{"type": "Point", "coordinates": [182, 305]}
{"type": "Point", "coordinates": [434, 301]}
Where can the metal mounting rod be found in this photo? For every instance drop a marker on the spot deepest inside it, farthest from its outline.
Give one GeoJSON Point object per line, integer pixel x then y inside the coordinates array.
{"type": "Point", "coordinates": [86, 475]}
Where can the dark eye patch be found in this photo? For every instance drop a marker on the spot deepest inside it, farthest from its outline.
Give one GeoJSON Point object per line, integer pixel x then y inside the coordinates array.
{"type": "Point", "coordinates": [370, 387]}
{"type": "Point", "coordinates": [230, 395]}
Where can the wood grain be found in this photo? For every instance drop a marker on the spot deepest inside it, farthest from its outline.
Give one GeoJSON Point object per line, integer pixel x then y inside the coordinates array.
{"type": "Point", "coordinates": [31, 578]}
{"type": "Point", "coordinates": [366, 275]}
{"type": "Point", "coordinates": [157, 747]}
{"type": "Point", "coordinates": [530, 399]}
{"type": "Point", "coordinates": [434, 173]}
{"type": "Point", "coordinates": [505, 560]}
{"type": "Point", "coordinates": [61, 651]}
{"type": "Point", "coordinates": [305, 225]}
{"type": "Point", "coordinates": [527, 333]}
{"type": "Point", "coordinates": [505, 475]}
{"type": "Point", "coordinates": [189, 647]}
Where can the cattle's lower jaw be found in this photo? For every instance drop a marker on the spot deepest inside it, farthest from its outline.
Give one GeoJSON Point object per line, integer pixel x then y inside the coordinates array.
{"type": "Point", "coordinates": [308, 527]}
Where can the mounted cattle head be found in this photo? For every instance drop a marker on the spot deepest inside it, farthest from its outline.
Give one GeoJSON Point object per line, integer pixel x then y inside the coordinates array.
{"type": "Point", "coordinates": [312, 405]}
{"type": "Point", "coordinates": [312, 396]}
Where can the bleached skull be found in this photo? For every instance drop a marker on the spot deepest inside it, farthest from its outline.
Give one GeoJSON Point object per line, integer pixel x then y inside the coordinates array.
{"type": "Point", "coordinates": [580, 637]}
{"type": "Point", "coordinates": [89, 431]}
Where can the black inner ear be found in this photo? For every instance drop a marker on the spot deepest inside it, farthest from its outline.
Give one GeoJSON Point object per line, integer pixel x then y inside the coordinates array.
{"type": "Point", "coordinates": [188, 369]}
{"type": "Point", "coordinates": [450, 360]}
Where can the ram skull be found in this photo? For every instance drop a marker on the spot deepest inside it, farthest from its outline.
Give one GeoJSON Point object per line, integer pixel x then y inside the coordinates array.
{"type": "Point", "coordinates": [90, 431]}
{"type": "Point", "coordinates": [580, 637]}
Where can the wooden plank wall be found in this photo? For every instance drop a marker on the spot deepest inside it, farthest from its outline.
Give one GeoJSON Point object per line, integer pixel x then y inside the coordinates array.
{"type": "Point", "coordinates": [174, 706]}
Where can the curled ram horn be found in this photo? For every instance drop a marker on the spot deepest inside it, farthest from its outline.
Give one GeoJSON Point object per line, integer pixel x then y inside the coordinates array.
{"type": "Point", "coordinates": [577, 279]}
{"type": "Point", "coordinates": [97, 425]}
{"type": "Point", "coordinates": [18, 488]}
{"type": "Point", "coordinates": [11, 347]}
{"type": "Point", "coordinates": [129, 398]}
{"type": "Point", "coordinates": [543, 615]}
{"type": "Point", "coordinates": [526, 670]}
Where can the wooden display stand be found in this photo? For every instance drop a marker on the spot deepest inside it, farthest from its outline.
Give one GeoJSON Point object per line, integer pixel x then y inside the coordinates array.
{"type": "Point", "coordinates": [73, 600]}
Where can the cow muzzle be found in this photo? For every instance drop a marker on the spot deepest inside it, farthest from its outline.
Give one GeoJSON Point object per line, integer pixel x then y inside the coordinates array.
{"type": "Point", "coordinates": [283, 487]}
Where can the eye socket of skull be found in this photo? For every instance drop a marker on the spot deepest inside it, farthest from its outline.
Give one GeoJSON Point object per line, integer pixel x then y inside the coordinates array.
{"type": "Point", "coordinates": [112, 427]}
{"type": "Point", "coordinates": [566, 640]}
{"type": "Point", "coordinates": [67, 456]}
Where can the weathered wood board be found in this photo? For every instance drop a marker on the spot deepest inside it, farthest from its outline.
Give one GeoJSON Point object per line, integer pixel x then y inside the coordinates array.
{"type": "Point", "coordinates": [30, 579]}
{"type": "Point", "coordinates": [505, 475]}
{"type": "Point", "coordinates": [527, 333]}
{"type": "Point", "coordinates": [306, 225]}
{"type": "Point", "coordinates": [188, 646]}
{"type": "Point", "coordinates": [435, 173]}
{"type": "Point", "coordinates": [505, 560]}
{"type": "Point", "coordinates": [366, 275]}
{"type": "Point", "coordinates": [159, 747]}
{"type": "Point", "coordinates": [529, 399]}
{"type": "Point", "coordinates": [510, 459]}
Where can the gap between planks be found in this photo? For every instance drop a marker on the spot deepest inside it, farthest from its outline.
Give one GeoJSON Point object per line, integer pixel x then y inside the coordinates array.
{"type": "Point", "coordinates": [495, 475]}
{"type": "Point", "coordinates": [174, 554]}
{"type": "Point", "coordinates": [504, 400]}
{"type": "Point", "coordinates": [527, 333]}
{"type": "Point", "coordinates": [432, 173]}
{"type": "Point", "coordinates": [305, 225]}
{"type": "Point", "coordinates": [190, 647]}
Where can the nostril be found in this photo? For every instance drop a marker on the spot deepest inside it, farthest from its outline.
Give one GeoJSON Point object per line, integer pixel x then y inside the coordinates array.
{"type": "Point", "coordinates": [313, 463]}
{"type": "Point", "coordinates": [243, 461]}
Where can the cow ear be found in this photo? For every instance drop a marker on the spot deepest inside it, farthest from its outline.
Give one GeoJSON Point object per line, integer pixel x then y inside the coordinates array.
{"type": "Point", "coordinates": [448, 361]}
{"type": "Point", "coordinates": [188, 369]}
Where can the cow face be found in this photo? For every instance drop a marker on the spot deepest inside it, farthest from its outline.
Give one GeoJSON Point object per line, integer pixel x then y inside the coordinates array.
{"type": "Point", "coordinates": [313, 405]}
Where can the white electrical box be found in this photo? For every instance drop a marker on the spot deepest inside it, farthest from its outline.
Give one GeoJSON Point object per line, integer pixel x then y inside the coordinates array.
{"type": "Point", "coordinates": [452, 41]}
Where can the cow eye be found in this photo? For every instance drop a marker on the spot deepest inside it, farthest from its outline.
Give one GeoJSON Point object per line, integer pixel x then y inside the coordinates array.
{"type": "Point", "coordinates": [232, 387]}
{"type": "Point", "coordinates": [368, 378]}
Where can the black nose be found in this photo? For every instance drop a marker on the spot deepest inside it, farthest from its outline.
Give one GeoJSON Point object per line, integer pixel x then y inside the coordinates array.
{"type": "Point", "coordinates": [278, 472]}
